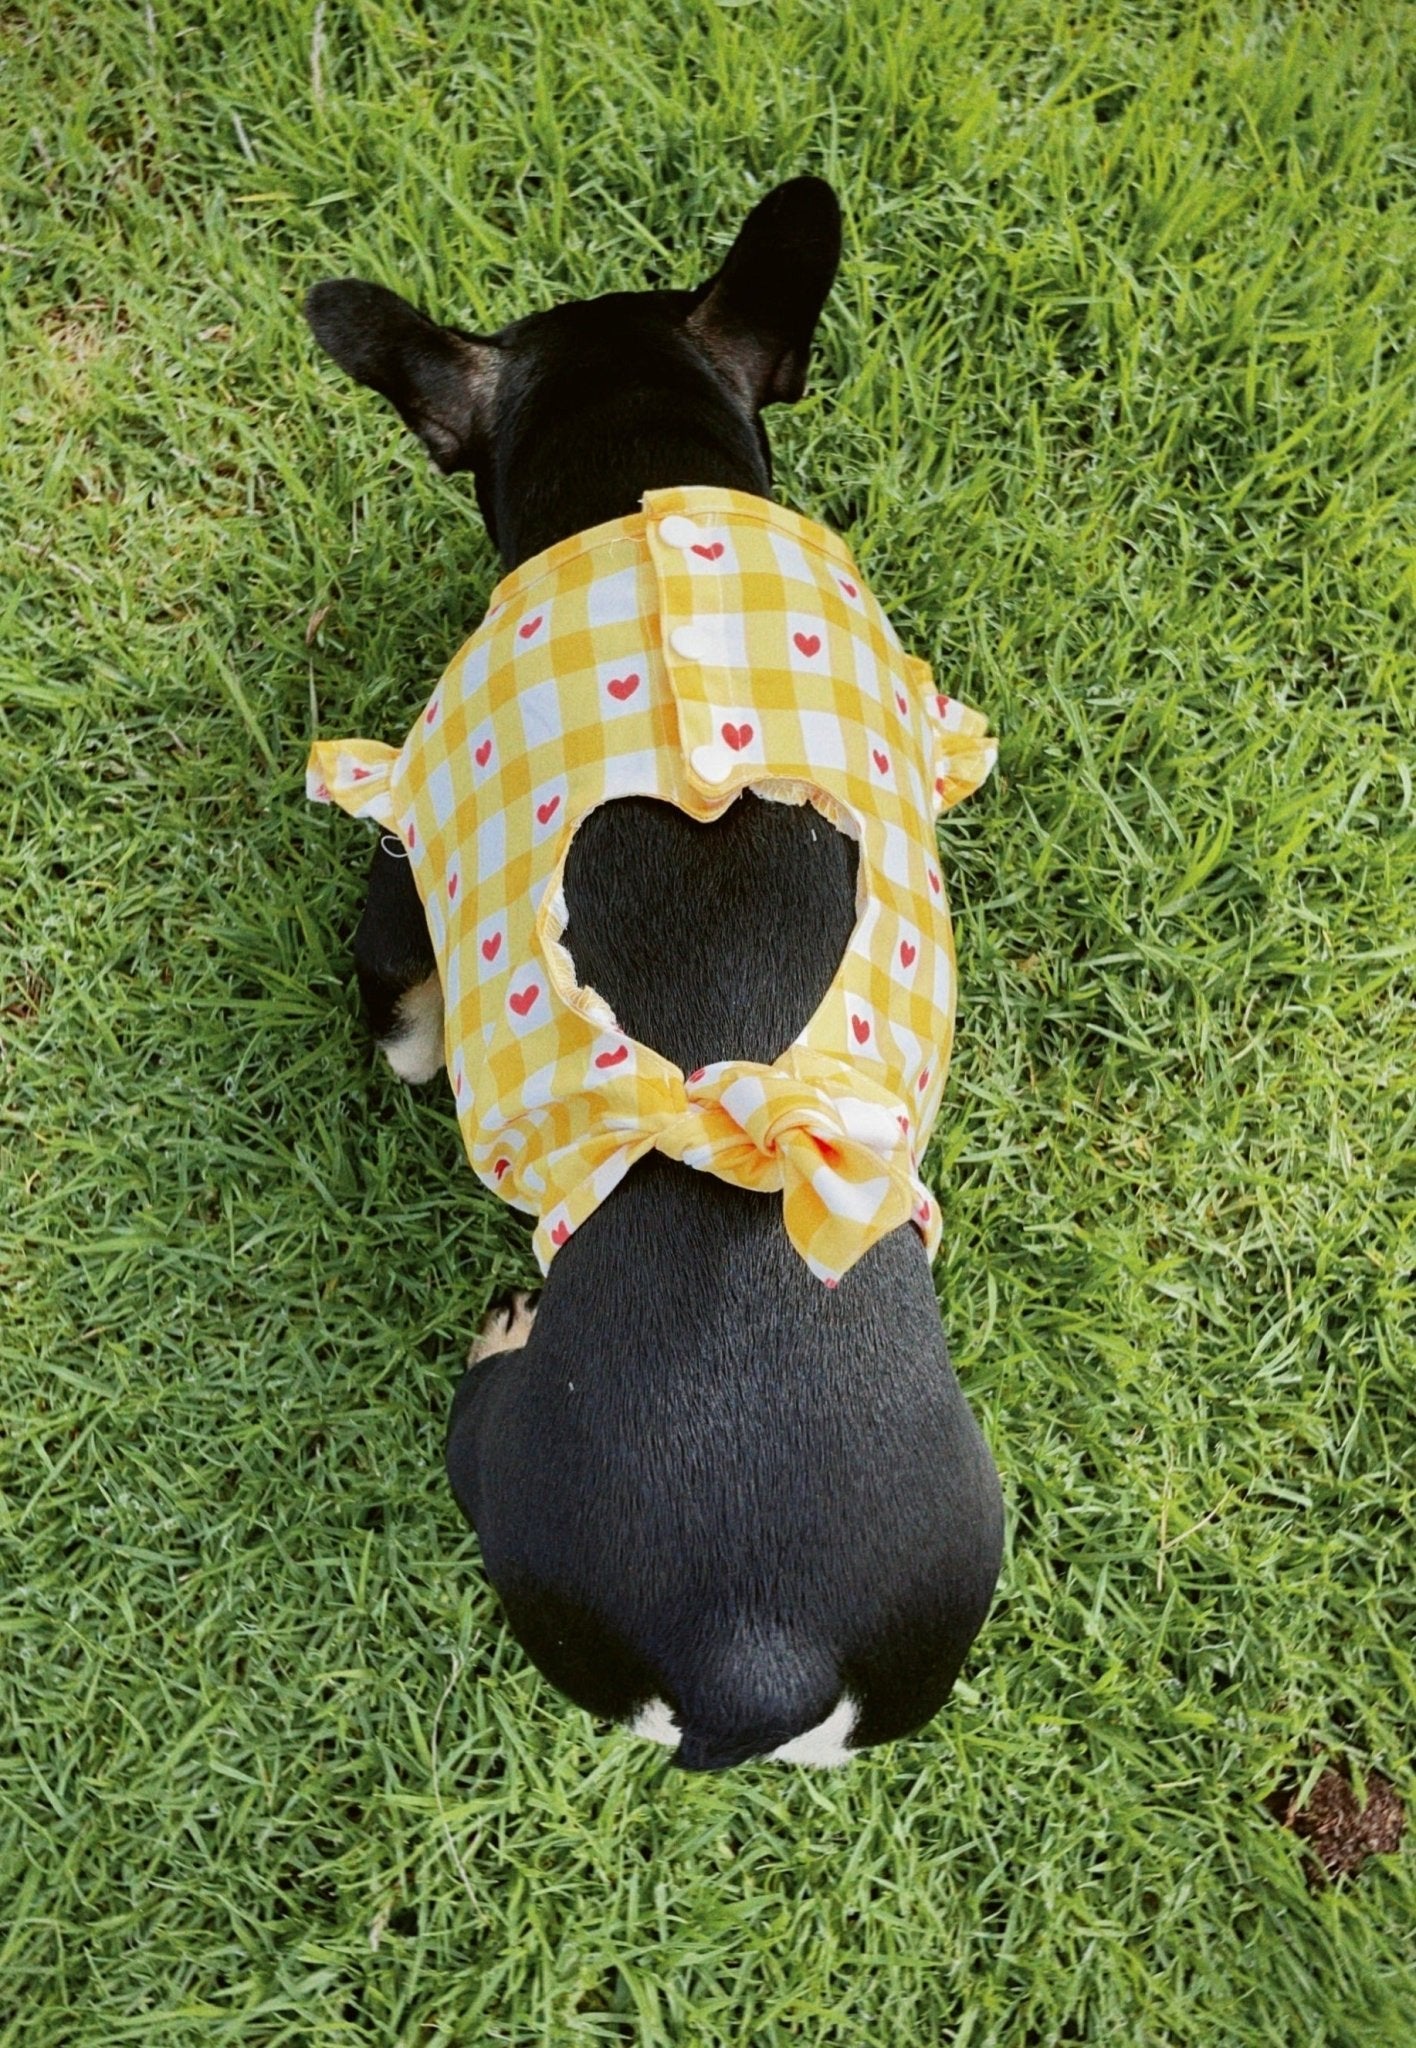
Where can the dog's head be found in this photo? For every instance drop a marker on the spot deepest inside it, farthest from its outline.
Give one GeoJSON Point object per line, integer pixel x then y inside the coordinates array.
{"type": "Point", "coordinates": [627, 393]}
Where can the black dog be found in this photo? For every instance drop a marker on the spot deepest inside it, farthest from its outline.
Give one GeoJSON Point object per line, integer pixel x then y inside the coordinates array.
{"type": "Point", "coordinates": [704, 1485]}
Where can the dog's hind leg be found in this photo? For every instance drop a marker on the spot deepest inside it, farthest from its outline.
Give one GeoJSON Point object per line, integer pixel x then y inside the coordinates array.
{"type": "Point", "coordinates": [505, 1327]}
{"type": "Point", "coordinates": [398, 978]}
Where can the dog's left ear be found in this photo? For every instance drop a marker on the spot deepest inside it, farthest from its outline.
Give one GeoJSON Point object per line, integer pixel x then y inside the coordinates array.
{"type": "Point", "coordinates": [441, 382]}
{"type": "Point", "coordinates": [756, 318]}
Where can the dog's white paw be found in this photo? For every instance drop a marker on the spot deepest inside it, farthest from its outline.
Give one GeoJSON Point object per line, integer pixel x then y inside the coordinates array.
{"type": "Point", "coordinates": [416, 1054]}
{"type": "Point", "coordinates": [825, 1746]}
{"type": "Point", "coordinates": [506, 1328]}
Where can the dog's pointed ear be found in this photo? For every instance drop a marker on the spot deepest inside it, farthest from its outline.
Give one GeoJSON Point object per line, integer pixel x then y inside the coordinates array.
{"type": "Point", "coordinates": [443, 383]}
{"type": "Point", "coordinates": [756, 318]}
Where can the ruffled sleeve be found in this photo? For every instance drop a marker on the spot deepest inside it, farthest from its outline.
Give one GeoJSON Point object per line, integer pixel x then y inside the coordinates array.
{"type": "Point", "coordinates": [355, 774]}
{"type": "Point", "coordinates": [964, 750]}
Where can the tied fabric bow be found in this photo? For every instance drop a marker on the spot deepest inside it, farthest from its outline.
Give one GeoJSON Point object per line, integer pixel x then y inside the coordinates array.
{"type": "Point", "coordinates": [841, 1161]}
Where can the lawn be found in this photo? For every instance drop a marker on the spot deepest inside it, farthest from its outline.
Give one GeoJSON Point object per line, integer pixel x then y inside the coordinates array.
{"type": "Point", "coordinates": [1116, 401]}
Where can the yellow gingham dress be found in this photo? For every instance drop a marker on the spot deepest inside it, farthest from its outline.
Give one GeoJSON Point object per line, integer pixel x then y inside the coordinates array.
{"type": "Point", "coordinates": [709, 643]}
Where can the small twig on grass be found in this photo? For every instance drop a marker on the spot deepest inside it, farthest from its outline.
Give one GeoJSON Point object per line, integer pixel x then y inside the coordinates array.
{"type": "Point", "coordinates": [44, 554]}
{"type": "Point", "coordinates": [437, 1783]}
{"type": "Point", "coordinates": [316, 52]}
{"type": "Point", "coordinates": [1232, 1493]}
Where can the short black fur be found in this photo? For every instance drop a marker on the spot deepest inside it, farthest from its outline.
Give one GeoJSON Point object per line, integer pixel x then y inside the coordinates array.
{"type": "Point", "coordinates": [705, 1479]}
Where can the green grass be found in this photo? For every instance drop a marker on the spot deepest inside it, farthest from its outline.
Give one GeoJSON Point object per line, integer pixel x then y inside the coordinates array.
{"type": "Point", "coordinates": [1115, 398]}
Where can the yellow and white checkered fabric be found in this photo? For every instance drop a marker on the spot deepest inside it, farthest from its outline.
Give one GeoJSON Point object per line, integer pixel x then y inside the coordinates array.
{"type": "Point", "coordinates": [709, 643]}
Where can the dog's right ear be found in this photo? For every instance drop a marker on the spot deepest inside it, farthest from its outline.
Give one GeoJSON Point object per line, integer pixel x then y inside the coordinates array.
{"type": "Point", "coordinates": [441, 382]}
{"type": "Point", "coordinates": [756, 318]}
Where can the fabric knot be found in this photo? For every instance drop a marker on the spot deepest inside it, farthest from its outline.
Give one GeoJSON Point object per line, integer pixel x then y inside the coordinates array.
{"type": "Point", "coordinates": [841, 1163]}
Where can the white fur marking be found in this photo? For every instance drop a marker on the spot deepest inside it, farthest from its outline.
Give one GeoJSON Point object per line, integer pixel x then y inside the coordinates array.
{"type": "Point", "coordinates": [417, 1052]}
{"type": "Point", "coordinates": [823, 1746]}
{"type": "Point", "coordinates": [657, 1724]}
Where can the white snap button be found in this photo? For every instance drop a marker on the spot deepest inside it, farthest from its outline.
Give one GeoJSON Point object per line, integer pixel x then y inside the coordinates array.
{"type": "Point", "coordinates": [677, 532]}
{"type": "Point", "coordinates": [711, 763]}
{"type": "Point", "coordinates": [698, 641]}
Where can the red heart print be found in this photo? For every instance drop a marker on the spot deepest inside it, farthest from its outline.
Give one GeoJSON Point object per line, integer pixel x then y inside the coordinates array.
{"type": "Point", "coordinates": [907, 953]}
{"type": "Point", "coordinates": [622, 687]}
{"type": "Point", "coordinates": [361, 774]}
{"type": "Point", "coordinates": [737, 736]}
{"type": "Point", "coordinates": [452, 886]}
{"type": "Point", "coordinates": [710, 553]}
{"type": "Point", "coordinates": [546, 811]}
{"type": "Point", "coordinates": [861, 1028]}
{"type": "Point", "coordinates": [322, 793]}
{"type": "Point", "coordinates": [934, 882]}
{"type": "Point", "coordinates": [698, 1073]}
{"type": "Point", "coordinates": [922, 1212]}
{"type": "Point", "coordinates": [939, 785]}
{"type": "Point", "coordinates": [530, 626]}
{"type": "Point", "coordinates": [612, 1059]}
{"type": "Point", "coordinates": [809, 643]}
{"type": "Point", "coordinates": [501, 1167]}
{"type": "Point", "coordinates": [848, 587]}
{"type": "Point", "coordinates": [900, 705]}
{"type": "Point", "coordinates": [904, 1123]}
{"type": "Point", "coordinates": [941, 705]}
{"type": "Point", "coordinates": [829, 1282]}
{"type": "Point", "coordinates": [412, 838]}
{"type": "Point", "coordinates": [492, 946]}
{"type": "Point", "coordinates": [560, 1233]}
{"type": "Point", "coordinates": [457, 1085]}
{"type": "Point", "coordinates": [923, 1082]}
{"type": "Point", "coordinates": [882, 761]}
{"type": "Point", "coordinates": [432, 711]}
{"type": "Point", "coordinates": [522, 1003]}
{"type": "Point", "coordinates": [481, 755]}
